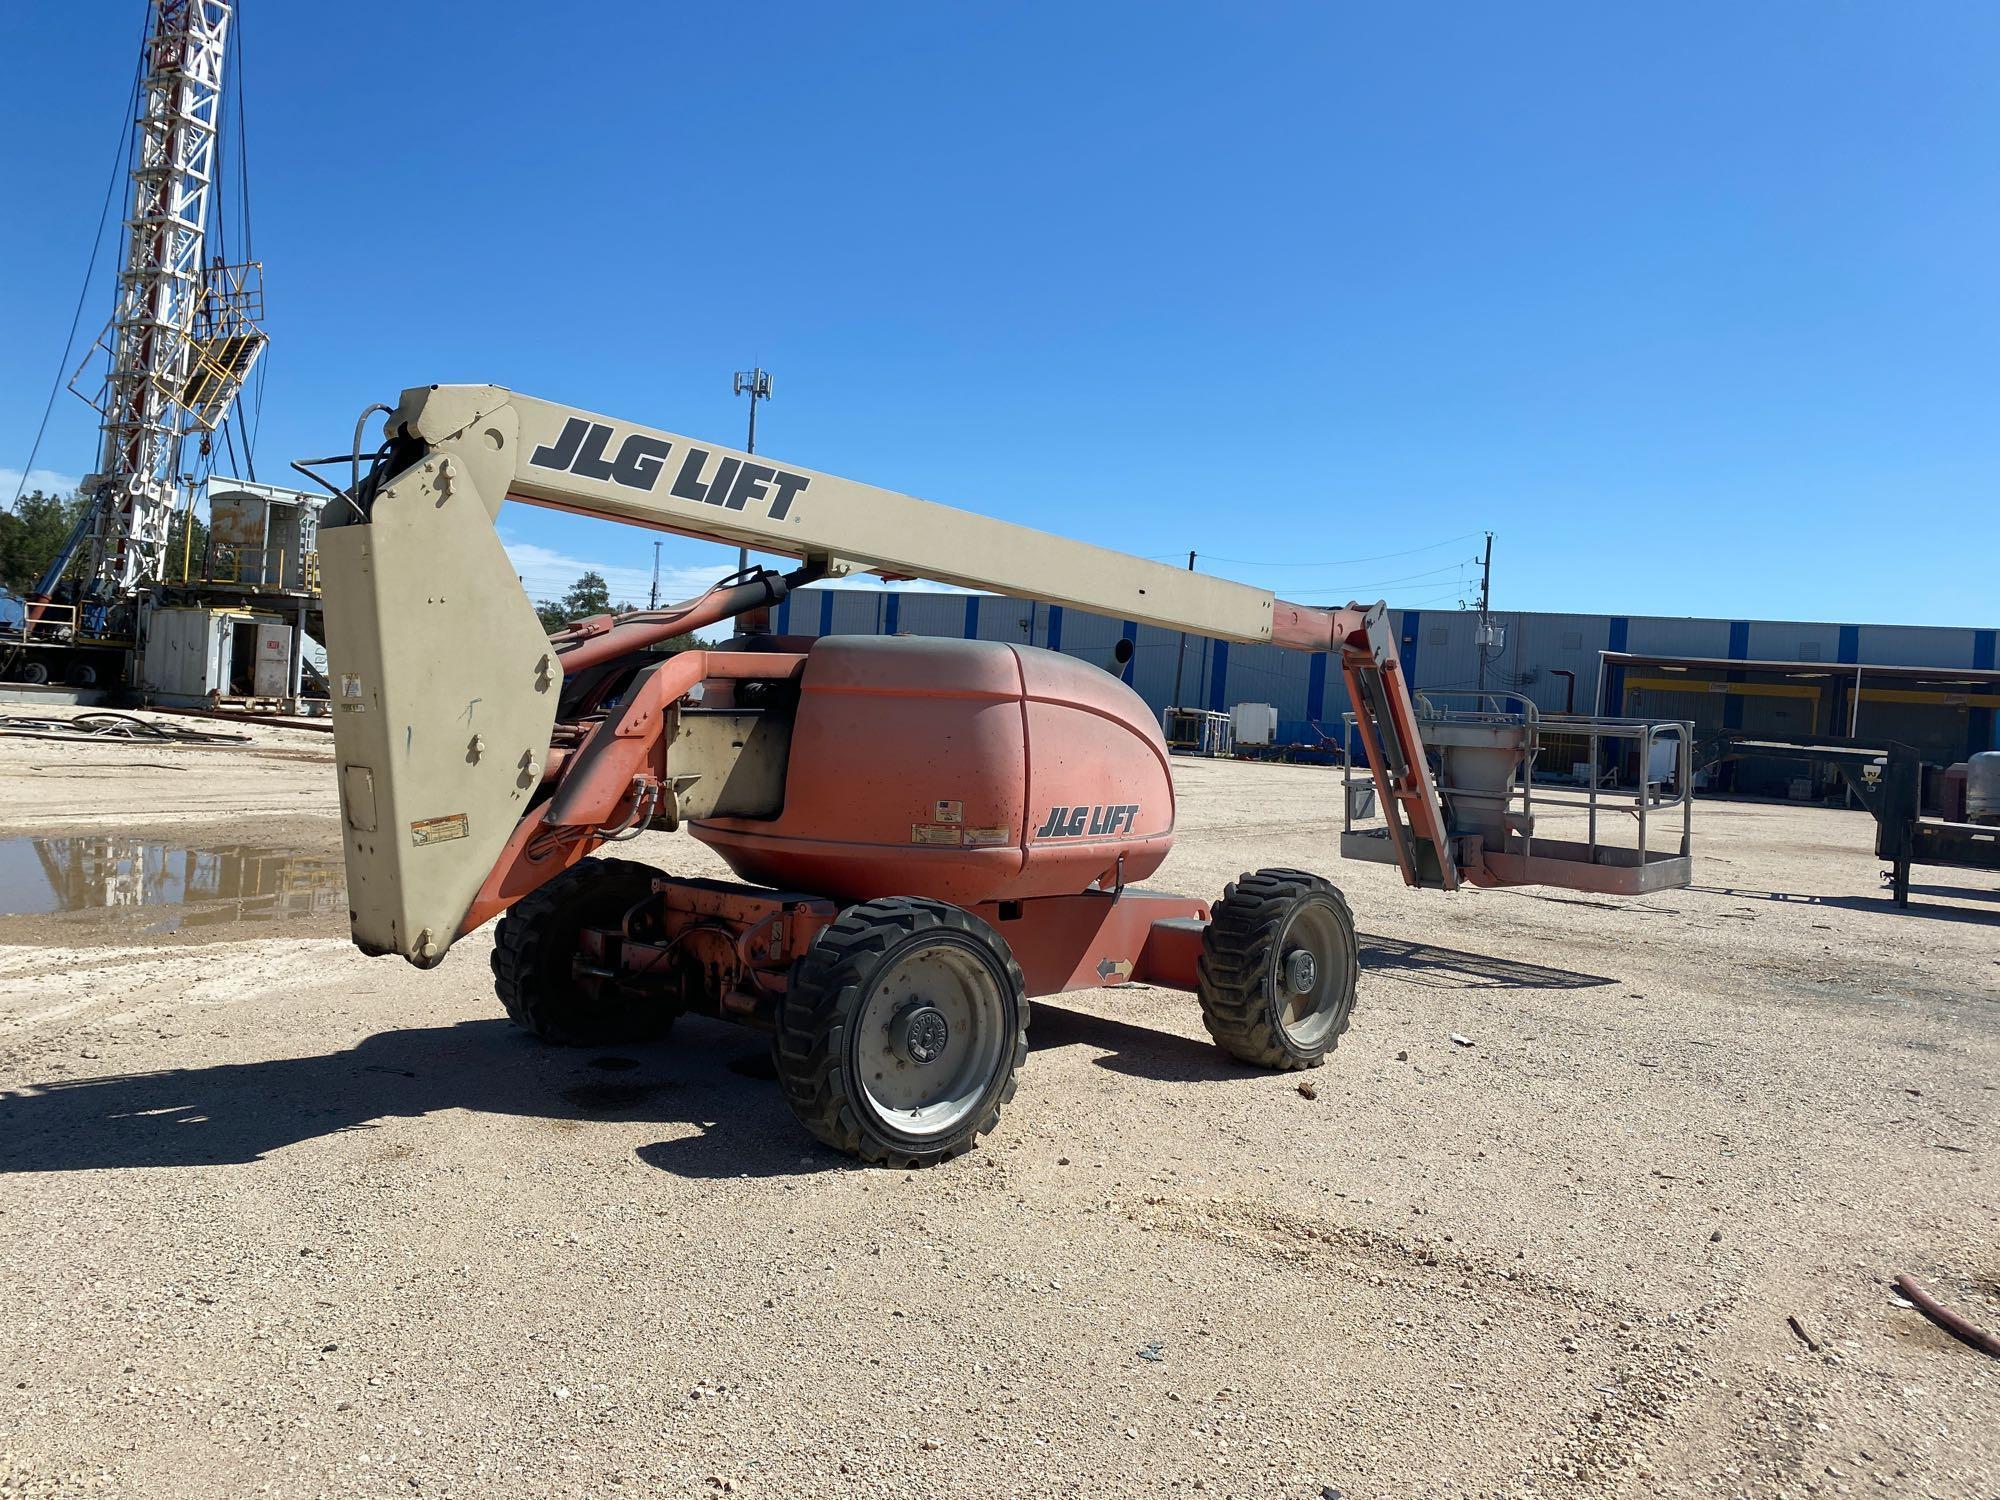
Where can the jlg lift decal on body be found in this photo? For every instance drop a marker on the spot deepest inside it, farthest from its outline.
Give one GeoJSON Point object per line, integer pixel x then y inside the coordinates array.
{"type": "Point", "coordinates": [1088, 822]}
{"type": "Point", "coordinates": [581, 448]}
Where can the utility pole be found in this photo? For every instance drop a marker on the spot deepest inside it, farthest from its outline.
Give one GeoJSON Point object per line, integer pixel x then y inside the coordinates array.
{"type": "Point", "coordinates": [654, 601]}
{"type": "Point", "coordinates": [1180, 652]}
{"type": "Point", "coordinates": [1485, 604]}
{"type": "Point", "coordinates": [756, 384]}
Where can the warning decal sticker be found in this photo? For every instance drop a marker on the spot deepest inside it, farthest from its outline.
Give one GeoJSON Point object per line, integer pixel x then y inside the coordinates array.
{"type": "Point", "coordinates": [438, 830]}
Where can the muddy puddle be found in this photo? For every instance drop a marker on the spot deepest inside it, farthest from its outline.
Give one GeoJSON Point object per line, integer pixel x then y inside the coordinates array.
{"type": "Point", "coordinates": [166, 886]}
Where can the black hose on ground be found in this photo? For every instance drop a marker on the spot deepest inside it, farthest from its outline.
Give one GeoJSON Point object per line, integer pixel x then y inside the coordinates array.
{"type": "Point", "coordinates": [1946, 1319]}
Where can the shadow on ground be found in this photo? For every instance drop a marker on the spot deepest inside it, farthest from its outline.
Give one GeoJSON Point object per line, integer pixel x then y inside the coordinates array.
{"type": "Point", "coordinates": [239, 1112]}
{"type": "Point", "coordinates": [1882, 903]}
{"type": "Point", "coordinates": [1454, 969]}
{"type": "Point", "coordinates": [1168, 1057]}
{"type": "Point", "coordinates": [715, 1078]}
{"type": "Point", "coordinates": [1137, 1051]}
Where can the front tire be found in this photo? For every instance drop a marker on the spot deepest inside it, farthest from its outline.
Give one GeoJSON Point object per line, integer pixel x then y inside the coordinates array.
{"type": "Point", "coordinates": [902, 1032]}
{"type": "Point", "coordinates": [1279, 966]}
{"type": "Point", "coordinates": [538, 942]}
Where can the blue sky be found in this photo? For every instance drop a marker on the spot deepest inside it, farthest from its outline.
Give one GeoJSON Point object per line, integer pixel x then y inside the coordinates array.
{"type": "Point", "coordinates": [1695, 306]}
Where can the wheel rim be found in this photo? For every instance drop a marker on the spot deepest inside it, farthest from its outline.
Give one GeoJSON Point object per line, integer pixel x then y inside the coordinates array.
{"type": "Point", "coordinates": [1315, 958]}
{"type": "Point", "coordinates": [930, 1038]}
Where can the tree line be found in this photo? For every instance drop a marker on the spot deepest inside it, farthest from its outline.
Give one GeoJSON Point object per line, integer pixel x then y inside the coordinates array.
{"type": "Point", "coordinates": [591, 595]}
{"type": "Point", "coordinates": [34, 528]}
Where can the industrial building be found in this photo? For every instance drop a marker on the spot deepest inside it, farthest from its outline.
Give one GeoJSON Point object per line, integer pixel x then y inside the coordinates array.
{"type": "Point", "coordinates": [1933, 688]}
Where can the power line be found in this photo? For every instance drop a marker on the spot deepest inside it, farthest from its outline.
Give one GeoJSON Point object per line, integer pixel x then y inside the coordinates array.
{"type": "Point", "coordinates": [243, 142]}
{"type": "Point", "coordinates": [1380, 583]}
{"type": "Point", "coordinates": [1345, 562]}
{"type": "Point", "coordinates": [121, 161]}
{"type": "Point", "coordinates": [1458, 594]}
{"type": "Point", "coordinates": [251, 421]}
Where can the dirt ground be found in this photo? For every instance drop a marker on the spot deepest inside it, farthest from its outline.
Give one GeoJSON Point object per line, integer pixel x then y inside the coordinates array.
{"type": "Point", "coordinates": [280, 1219]}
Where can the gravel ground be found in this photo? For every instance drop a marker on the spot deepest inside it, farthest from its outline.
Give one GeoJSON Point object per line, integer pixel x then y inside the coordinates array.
{"type": "Point", "coordinates": [278, 1219]}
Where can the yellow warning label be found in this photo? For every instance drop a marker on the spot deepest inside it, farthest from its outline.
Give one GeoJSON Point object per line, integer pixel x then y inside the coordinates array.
{"type": "Point", "coordinates": [933, 833]}
{"type": "Point", "coordinates": [983, 838]}
{"type": "Point", "coordinates": [438, 830]}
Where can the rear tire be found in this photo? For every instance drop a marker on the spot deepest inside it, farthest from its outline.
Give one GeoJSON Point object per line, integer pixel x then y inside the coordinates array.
{"type": "Point", "coordinates": [536, 946]}
{"type": "Point", "coordinates": [902, 1032]}
{"type": "Point", "coordinates": [34, 672]}
{"type": "Point", "coordinates": [1279, 966]}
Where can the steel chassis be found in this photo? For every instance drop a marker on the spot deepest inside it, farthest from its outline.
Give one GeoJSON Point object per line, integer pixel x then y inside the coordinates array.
{"type": "Point", "coordinates": [725, 949]}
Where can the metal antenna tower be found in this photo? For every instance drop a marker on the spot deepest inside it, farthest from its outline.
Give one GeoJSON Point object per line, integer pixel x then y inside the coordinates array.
{"type": "Point", "coordinates": [184, 334]}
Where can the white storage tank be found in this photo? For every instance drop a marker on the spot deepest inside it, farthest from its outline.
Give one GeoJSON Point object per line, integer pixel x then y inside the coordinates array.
{"type": "Point", "coordinates": [1982, 788]}
{"type": "Point", "coordinates": [1254, 723]}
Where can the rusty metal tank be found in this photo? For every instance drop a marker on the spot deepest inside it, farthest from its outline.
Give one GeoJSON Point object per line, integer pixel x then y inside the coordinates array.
{"type": "Point", "coordinates": [966, 771]}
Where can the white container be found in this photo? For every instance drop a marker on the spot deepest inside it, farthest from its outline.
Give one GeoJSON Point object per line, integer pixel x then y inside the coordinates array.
{"type": "Point", "coordinates": [1254, 723]}
{"type": "Point", "coordinates": [195, 655]}
{"type": "Point", "coordinates": [187, 654]}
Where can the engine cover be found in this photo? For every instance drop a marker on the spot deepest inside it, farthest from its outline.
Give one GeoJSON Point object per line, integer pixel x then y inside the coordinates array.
{"type": "Point", "coordinates": [966, 771]}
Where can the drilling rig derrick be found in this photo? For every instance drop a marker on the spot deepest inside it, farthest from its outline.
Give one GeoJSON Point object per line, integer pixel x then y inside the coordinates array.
{"type": "Point", "coordinates": [183, 336]}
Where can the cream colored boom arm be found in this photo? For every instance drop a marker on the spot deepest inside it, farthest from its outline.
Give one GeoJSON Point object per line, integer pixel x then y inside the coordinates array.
{"type": "Point", "coordinates": [445, 686]}
{"type": "Point", "coordinates": [574, 460]}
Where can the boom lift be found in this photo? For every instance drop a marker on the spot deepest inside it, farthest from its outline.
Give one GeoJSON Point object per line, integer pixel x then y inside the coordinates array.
{"type": "Point", "coordinates": [929, 832]}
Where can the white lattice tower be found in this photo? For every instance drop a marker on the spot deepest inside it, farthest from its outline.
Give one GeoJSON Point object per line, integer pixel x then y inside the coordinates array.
{"type": "Point", "coordinates": [160, 290]}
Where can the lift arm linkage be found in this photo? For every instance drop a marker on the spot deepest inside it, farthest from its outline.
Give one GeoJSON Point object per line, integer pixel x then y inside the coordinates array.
{"type": "Point", "coordinates": [446, 687]}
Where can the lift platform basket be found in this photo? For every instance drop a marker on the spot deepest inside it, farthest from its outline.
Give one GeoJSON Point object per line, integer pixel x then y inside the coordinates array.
{"type": "Point", "coordinates": [1485, 760]}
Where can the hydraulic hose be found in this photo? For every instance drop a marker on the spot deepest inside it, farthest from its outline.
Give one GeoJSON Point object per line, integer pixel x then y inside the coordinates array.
{"type": "Point", "coordinates": [603, 637]}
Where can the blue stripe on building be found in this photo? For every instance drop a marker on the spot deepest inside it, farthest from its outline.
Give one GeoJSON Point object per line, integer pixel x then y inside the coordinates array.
{"type": "Point", "coordinates": [826, 613]}
{"type": "Point", "coordinates": [1413, 634]}
{"type": "Point", "coordinates": [1739, 650]}
{"type": "Point", "coordinates": [1055, 627]}
{"type": "Point", "coordinates": [1985, 725]}
{"type": "Point", "coordinates": [892, 609]}
{"type": "Point", "coordinates": [1614, 672]}
{"type": "Point", "coordinates": [1218, 684]}
{"type": "Point", "coordinates": [784, 614]}
{"type": "Point", "coordinates": [972, 617]}
{"type": "Point", "coordinates": [1131, 637]}
{"type": "Point", "coordinates": [1316, 688]}
{"type": "Point", "coordinates": [1850, 644]}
